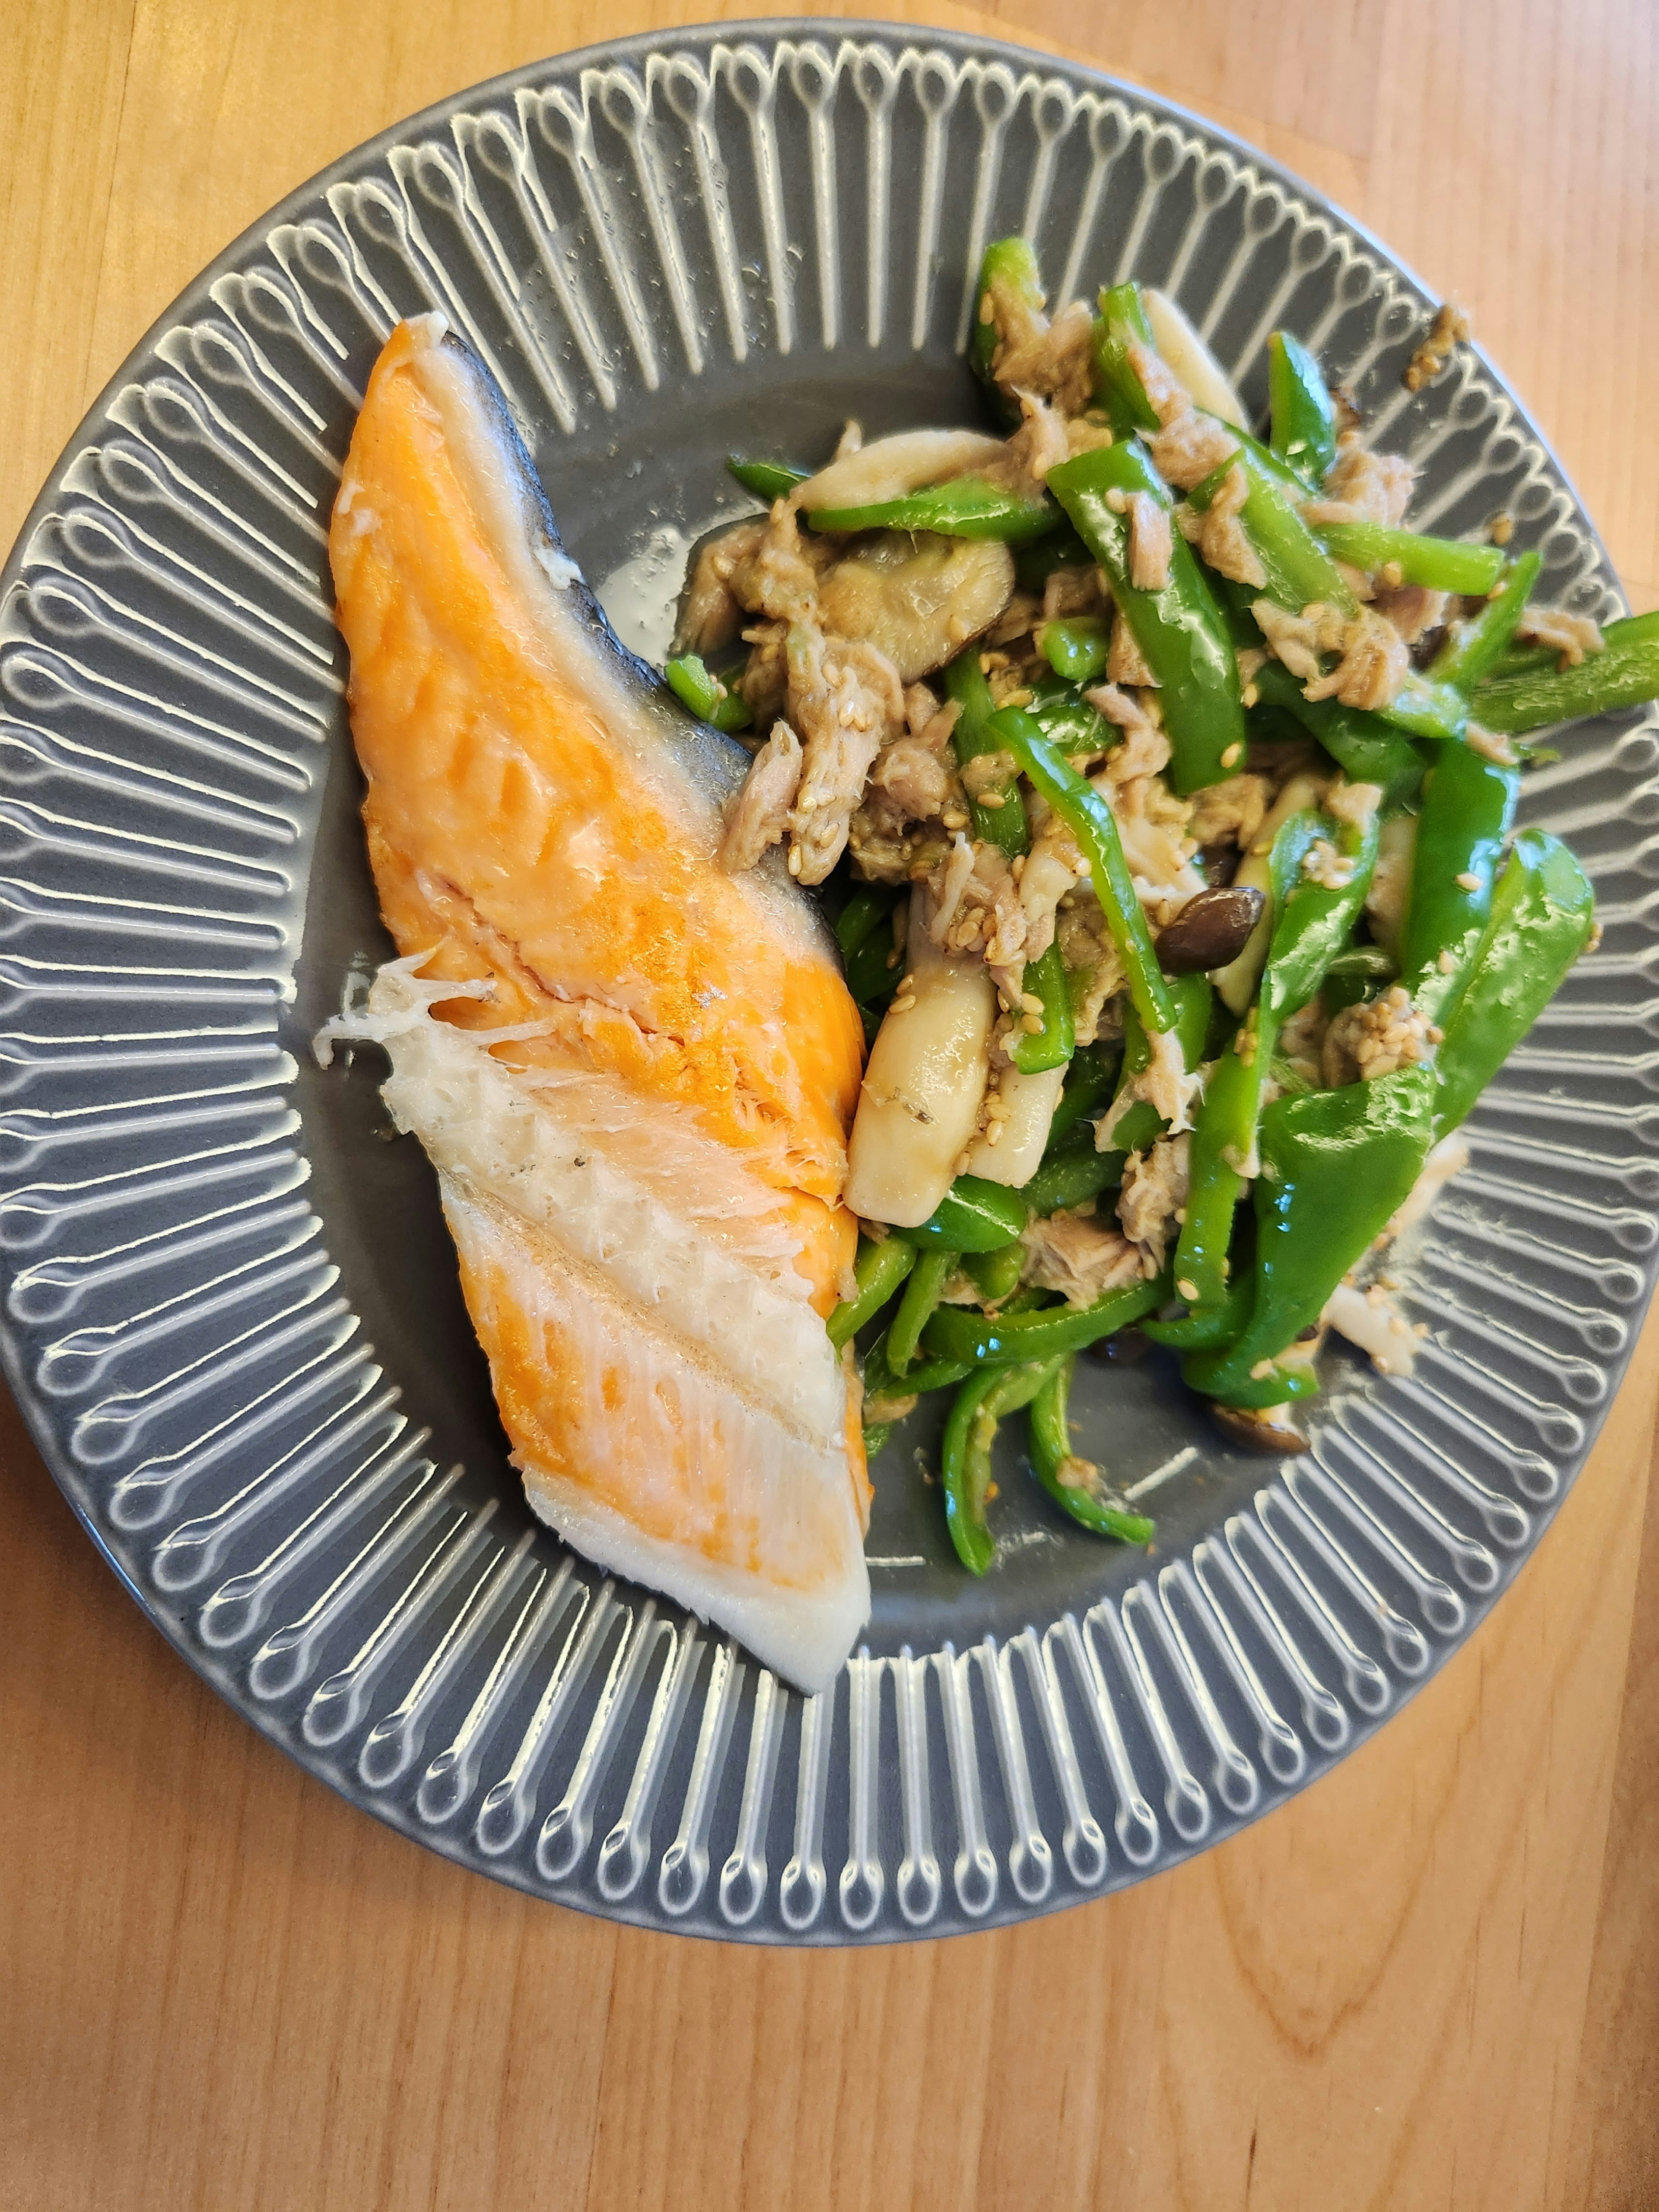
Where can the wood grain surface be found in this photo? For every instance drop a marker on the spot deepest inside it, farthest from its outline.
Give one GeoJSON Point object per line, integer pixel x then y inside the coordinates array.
{"type": "Point", "coordinates": [1432, 1982]}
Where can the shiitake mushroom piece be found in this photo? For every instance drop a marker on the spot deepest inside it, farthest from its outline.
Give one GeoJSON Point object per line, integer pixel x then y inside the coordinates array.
{"type": "Point", "coordinates": [1211, 930]}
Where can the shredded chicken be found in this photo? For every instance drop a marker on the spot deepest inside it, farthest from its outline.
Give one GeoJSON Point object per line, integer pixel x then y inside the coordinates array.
{"type": "Point", "coordinates": [1078, 1256]}
{"type": "Point", "coordinates": [1155, 1185]}
{"type": "Point", "coordinates": [1373, 665]}
{"type": "Point", "coordinates": [1230, 813]}
{"type": "Point", "coordinates": [1082, 436]}
{"type": "Point", "coordinates": [1068, 592]}
{"type": "Point", "coordinates": [765, 681]}
{"type": "Point", "coordinates": [914, 780]}
{"type": "Point", "coordinates": [1145, 749]}
{"type": "Point", "coordinates": [1039, 445]}
{"type": "Point", "coordinates": [1363, 487]}
{"type": "Point", "coordinates": [779, 577]}
{"type": "Point", "coordinates": [977, 909]}
{"type": "Point", "coordinates": [760, 813]}
{"type": "Point", "coordinates": [712, 614]}
{"type": "Point", "coordinates": [1053, 360]}
{"type": "Point", "coordinates": [946, 886]}
{"type": "Point", "coordinates": [843, 698]}
{"type": "Point", "coordinates": [1053, 867]}
{"type": "Point", "coordinates": [1299, 640]}
{"type": "Point", "coordinates": [1169, 396]}
{"type": "Point", "coordinates": [1367, 1042]}
{"type": "Point", "coordinates": [1491, 745]}
{"type": "Point", "coordinates": [1151, 543]}
{"type": "Point", "coordinates": [1353, 802]}
{"type": "Point", "coordinates": [1125, 662]}
{"type": "Point", "coordinates": [1413, 609]}
{"type": "Point", "coordinates": [1087, 948]}
{"type": "Point", "coordinates": [1190, 446]}
{"type": "Point", "coordinates": [1221, 537]}
{"type": "Point", "coordinates": [1570, 636]}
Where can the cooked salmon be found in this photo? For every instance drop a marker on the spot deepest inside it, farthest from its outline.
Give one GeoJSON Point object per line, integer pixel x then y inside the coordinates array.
{"type": "Point", "coordinates": [634, 1071]}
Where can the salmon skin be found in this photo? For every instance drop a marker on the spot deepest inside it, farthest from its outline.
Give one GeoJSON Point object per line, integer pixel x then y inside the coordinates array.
{"type": "Point", "coordinates": [634, 1073]}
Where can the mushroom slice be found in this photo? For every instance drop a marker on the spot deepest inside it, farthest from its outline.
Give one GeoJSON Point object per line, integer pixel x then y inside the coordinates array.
{"type": "Point", "coordinates": [910, 460]}
{"type": "Point", "coordinates": [918, 597]}
{"type": "Point", "coordinates": [1190, 361]}
{"type": "Point", "coordinates": [1271, 1431]}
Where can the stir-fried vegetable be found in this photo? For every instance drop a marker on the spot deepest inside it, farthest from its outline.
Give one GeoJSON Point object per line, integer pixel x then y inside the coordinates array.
{"type": "Point", "coordinates": [1303, 432]}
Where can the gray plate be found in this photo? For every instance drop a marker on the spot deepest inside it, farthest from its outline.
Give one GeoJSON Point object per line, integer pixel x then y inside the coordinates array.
{"type": "Point", "coordinates": [232, 1313]}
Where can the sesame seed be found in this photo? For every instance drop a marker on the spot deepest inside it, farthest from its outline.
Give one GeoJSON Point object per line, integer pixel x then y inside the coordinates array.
{"type": "Point", "coordinates": [995, 799]}
{"type": "Point", "coordinates": [1262, 1371]}
{"type": "Point", "coordinates": [1466, 880]}
{"type": "Point", "coordinates": [993, 1133]}
{"type": "Point", "coordinates": [805, 803]}
{"type": "Point", "coordinates": [902, 1005]}
{"type": "Point", "coordinates": [1029, 1002]}
{"type": "Point", "coordinates": [1503, 528]}
{"type": "Point", "coordinates": [1188, 1289]}
{"type": "Point", "coordinates": [794, 859]}
{"type": "Point", "coordinates": [1446, 962]}
{"type": "Point", "coordinates": [1233, 755]}
{"type": "Point", "coordinates": [1031, 1023]}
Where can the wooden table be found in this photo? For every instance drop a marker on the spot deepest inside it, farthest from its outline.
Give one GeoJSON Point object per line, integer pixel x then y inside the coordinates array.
{"type": "Point", "coordinates": [1428, 1983]}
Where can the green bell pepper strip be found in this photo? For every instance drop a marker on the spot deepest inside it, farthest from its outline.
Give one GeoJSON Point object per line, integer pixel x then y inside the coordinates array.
{"type": "Point", "coordinates": [1009, 264]}
{"type": "Point", "coordinates": [966, 507]}
{"type": "Point", "coordinates": [1299, 568]}
{"type": "Point", "coordinates": [1005, 825]}
{"type": "Point", "coordinates": [1073, 1173]}
{"type": "Point", "coordinates": [973, 1215]}
{"type": "Point", "coordinates": [970, 1431]}
{"type": "Point", "coordinates": [1336, 1165]}
{"type": "Point", "coordinates": [705, 695]}
{"type": "Point", "coordinates": [933, 1271]}
{"type": "Point", "coordinates": [1439, 564]}
{"type": "Point", "coordinates": [1543, 912]}
{"type": "Point", "coordinates": [1052, 1045]}
{"type": "Point", "coordinates": [1076, 650]}
{"type": "Point", "coordinates": [1362, 744]}
{"type": "Point", "coordinates": [880, 1382]}
{"type": "Point", "coordinates": [1117, 387]}
{"type": "Point", "coordinates": [876, 1436]}
{"type": "Point", "coordinates": [1312, 921]}
{"type": "Point", "coordinates": [1468, 804]}
{"type": "Point", "coordinates": [1181, 634]}
{"type": "Point", "coordinates": [1037, 560]}
{"type": "Point", "coordinates": [879, 1269]}
{"type": "Point", "coordinates": [1067, 718]}
{"type": "Point", "coordinates": [984, 1340]}
{"type": "Point", "coordinates": [1301, 410]}
{"type": "Point", "coordinates": [767, 480]}
{"type": "Point", "coordinates": [995, 1275]}
{"type": "Point", "coordinates": [874, 967]}
{"type": "Point", "coordinates": [1090, 1081]}
{"type": "Point", "coordinates": [870, 905]}
{"type": "Point", "coordinates": [1625, 673]}
{"type": "Point", "coordinates": [1051, 1447]}
{"type": "Point", "coordinates": [1205, 1328]}
{"type": "Point", "coordinates": [1474, 649]}
{"type": "Point", "coordinates": [1090, 821]}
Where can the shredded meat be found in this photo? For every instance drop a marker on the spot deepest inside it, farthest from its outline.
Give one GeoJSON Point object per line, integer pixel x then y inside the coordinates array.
{"type": "Point", "coordinates": [1082, 436]}
{"type": "Point", "coordinates": [1570, 636]}
{"type": "Point", "coordinates": [978, 909]}
{"type": "Point", "coordinates": [1053, 360]}
{"type": "Point", "coordinates": [1353, 802]}
{"type": "Point", "coordinates": [1169, 396]}
{"type": "Point", "coordinates": [1299, 640]}
{"type": "Point", "coordinates": [843, 698]}
{"type": "Point", "coordinates": [1125, 662]}
{"type": "Point", "coordinates": [1230, 813]}
{"type": "Point", "coordinates": [712, 614]}
{"type": "Point", "coordinates": [914, 780]}
{"type": "Point", "coordinates": [1087, 948]}
{"type": "Point", "coordinates": [946, 886]}
{"type": "Point", "coordinates": [1222, 539]}
{"type": "Point", "coordinates": [1039, 445]}
{"type": "Point", "coordinates": [760, 814]}
{"type": "Point", "coordinates": [1366, 1042]}
{"type": "Point", "coordinates": [1150, 542]}
{"type": "Point", "coordinates": [1068, 592]}
{"type": "Point", "coordinates": [1301, 1040]}
{"type": "Point", "coordinates": [1078, 1256]}
{"type": "Point", "coordinates": [1363, 487]}
{"type": "Point", "coordinates": [779, 577]}
{"type": "Point", "coordinates": [1413, 609]}
{"type": "Point", "coordinates": [1164, 1083]}
{"type": "Point", "coordinates": [1373, 665]}
{"type": "Point", "coordinates": [1190, 446]}
{"type": "Point", "coordinates": [1145, 749]}
{"type": "Point", "coordinates": [1155, 1184]}
{"type": "Point", "coordinates": [1053, 867]}
{"type": "Point", "coordinates": [765, 681]}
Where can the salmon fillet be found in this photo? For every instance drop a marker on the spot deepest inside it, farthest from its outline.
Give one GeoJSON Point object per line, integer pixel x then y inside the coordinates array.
{"type": "Point", "coordinates": [634, 1073]}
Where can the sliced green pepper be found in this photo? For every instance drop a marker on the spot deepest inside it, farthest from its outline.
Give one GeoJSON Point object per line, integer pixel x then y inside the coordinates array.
{"type": "Point", "coordinates": [1052, 1457]}
{"type": "Point", "coordinates": [995, 1275]}
{"type": "Point", "coordinates": [705, 695]}
{"type": "Point", "coordinates": [1091, 822]}
{"type": "Point", "coordinates": [1205, 1328]}
{"type": "Point", "coordinates": [1117, 387]}
{"type": "Point", "coordinates": [1625, 673]}
{"type": "Point", "coordinates": [1067, 719]}
{"type": "Point", "coordinates": [966, 507]}
{"type": "Point", "coordinates": [970, 1431]}
{"type": "Point", "coordinates": [879, 1269]}
{"type": "Point", "coordinates": [874, 967]}
{"type": "Point", "coordinates": [1180, 630]}
{"type": "Point", "coordinates": [1193, 997]}
{"type": "Point", "coordinates": [1438, 564]}
{"type": "Point", "coordinates": [933, 1271]}
{"type": "Point", "coordinates": [973, 1215]}
{"type": "Point", "coordinates": [1336, 1165]}
{"type": "Point", "coordinates": [1303, 432]}
{"type": "Point", "coordinates": [869, 905]}
{"type": "Point", "coordinates": [767, 480]}
{"type": "Point", "coordinates": [1474, 649]}
{"type": "Point", "coordinates": [1077, 649]}
{"type": "Point", "coordinates": [1052, 1045]}
{"type": "Point", "coordinates": [875, 1436]}
{"type": "Point", "coordinates": [1299, 571]}
{"type": "Point", "coordinates": [1074, 1171]}
{"type": "Point", "coordinates": [982, 1340]}
{"type": "Point", "coordinates": [1543, 912]}
{"type": "Point", "coordinates": [1468, 803]}
{"type": "Point", "coordinates": [999, 812]}
{"type": "Point", "coordinates": [1362, 744]}
{"type": "Point", "coordinates": [1090, 1081]}
{"type": "Point", "coordinates": [1008, 265]}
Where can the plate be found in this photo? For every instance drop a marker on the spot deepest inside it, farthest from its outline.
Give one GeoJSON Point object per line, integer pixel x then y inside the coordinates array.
{"type": "Point", "coordinates": [231, 1309]}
